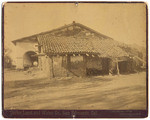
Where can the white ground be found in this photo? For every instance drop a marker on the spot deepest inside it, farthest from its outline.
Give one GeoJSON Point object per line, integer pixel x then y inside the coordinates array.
{"type": "Point", "coordinates": [23, 91]}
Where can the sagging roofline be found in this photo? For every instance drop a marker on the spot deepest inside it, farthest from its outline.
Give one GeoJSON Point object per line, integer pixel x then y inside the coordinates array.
{"type": "Point", "coordinates": [59, 28]}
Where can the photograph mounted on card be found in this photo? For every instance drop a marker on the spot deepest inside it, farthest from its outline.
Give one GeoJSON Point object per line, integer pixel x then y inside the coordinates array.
{"type": "Point", "coordinates": [75, 60]}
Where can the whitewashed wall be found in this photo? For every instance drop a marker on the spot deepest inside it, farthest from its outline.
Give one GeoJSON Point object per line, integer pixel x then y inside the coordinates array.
{"type": "Point", "coordinates": [20, 49]}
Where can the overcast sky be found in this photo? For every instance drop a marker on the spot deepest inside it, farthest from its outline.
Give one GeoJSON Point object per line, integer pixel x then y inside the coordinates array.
{"type": "Point", "coordinates": [123, 22]}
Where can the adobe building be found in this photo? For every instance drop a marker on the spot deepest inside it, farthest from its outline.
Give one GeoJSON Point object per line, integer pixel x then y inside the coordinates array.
{"type": "Point", "coordinates": [74, 50]}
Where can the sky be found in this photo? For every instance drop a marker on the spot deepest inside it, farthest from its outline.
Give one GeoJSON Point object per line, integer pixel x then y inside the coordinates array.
{"type": "Point", "coordinates": [124, 22]}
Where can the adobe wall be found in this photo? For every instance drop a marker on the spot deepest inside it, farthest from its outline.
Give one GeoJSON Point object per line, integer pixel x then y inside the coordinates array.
{"type": "Point", "coordinates": [65, 66]}
{"type": "Point", "coordinates": [61, 66]}
{"type": "Point", "coordinates": [77, 66]}
{"type": "Point", "coordinates": [21, 49]}
{"type": "Point", "coordinates": [44, 64]}
{"type": "Point", "coordinates": [57, 67]}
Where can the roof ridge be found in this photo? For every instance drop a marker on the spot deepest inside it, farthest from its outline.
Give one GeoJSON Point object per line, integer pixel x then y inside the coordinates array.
{"type": "Point", "coordinates": [43, 32]}
{"type": "Point", "coordinates": [62, 27]}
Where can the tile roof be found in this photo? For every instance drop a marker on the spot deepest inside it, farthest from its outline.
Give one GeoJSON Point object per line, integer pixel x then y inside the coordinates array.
{"type": "Point", "coordinates": [79, 40]}
{"type": "Point", "coordinates": [58, 45]}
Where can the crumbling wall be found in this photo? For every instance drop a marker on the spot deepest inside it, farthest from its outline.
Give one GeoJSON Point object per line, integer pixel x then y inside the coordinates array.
{"type": "Point", "coordinates": [77, 66]}
{"type": "Point", "coordinates": [58, 69]}
{"type": "Point", "coordinates": [45, 65]}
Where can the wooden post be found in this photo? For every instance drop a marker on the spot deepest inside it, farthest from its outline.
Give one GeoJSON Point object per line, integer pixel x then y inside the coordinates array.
{"type": "Point", "coordinates": [68, 64]}
{"type": "Point", "coordinates": [52, 67]}
{"type": "Point", "coordinates": [84, 62]}
{"type": "Point", "coordinates": [48, 66]}
{"type": "Point", "coordinates": [118, 72]}
{"type": "Point", "coordinates": [110, 67]}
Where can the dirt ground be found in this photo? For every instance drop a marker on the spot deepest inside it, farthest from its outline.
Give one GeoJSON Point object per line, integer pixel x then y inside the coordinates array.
{"type": "Point", "coordinates": [123, 92]}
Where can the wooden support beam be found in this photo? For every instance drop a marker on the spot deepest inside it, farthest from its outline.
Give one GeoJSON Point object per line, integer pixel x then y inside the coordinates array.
{"type": "Point", "coordinates": [85, 64]}
{"type": "Point", "coordinates": [87, 54]}
{"type": "Point", "coordinates": [40, 54]}
{"type": "Point", "coordinates": [68, 65]}
{"type": "Point", "coordinates": [38, 45]}
{"type": "Point", "coordinates": [93, 56]}
{"type": "Point", "coordinates": [118, 71]}
{"type": "Point", "coordinates": [136, 57]}
{"type": "Point", "coordinates": [52, 67]}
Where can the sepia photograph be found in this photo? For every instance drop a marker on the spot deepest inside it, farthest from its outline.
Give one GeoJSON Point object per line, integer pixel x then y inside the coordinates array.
{"type": "Point", "coordinates": [75, 57]}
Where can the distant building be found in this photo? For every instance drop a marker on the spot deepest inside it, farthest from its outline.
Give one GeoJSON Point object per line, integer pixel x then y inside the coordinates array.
{"type": "Point", "coordinates": [74, 50]}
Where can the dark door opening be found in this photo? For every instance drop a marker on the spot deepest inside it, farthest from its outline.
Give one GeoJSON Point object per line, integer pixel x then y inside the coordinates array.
{"type": "Point", "coordinates": [29, 60]}
{"type": "Point", "coordinates": [97, 66]}
{"type": "Point", "coordinates": [123, 67]}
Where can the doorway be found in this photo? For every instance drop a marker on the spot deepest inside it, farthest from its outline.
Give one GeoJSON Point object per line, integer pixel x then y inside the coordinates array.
{"type": "Point", "coordinates": [30, 59]}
